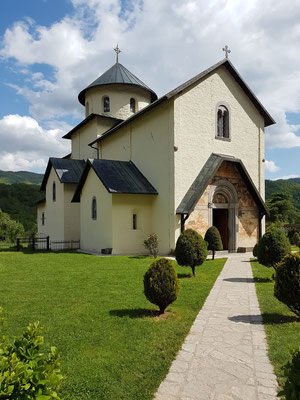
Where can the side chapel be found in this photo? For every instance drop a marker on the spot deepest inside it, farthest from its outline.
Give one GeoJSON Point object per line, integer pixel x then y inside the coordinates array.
{"type": "Point", "coordinates": [141, 164]}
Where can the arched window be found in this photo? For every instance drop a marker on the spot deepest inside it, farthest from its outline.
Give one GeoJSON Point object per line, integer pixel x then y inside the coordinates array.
{"type": "Point", "coordinates": [106, 104]}
{"type": "Point", "coordinates": [43, 218]}
{"type": "Point", "coordinates": [222, 122]}
{"type": "Point", "coordinates": [87, 109]}
{"type": "Point", "coordinates": [94, 208]}
{"type": "Point", "coordinates": [132, 105]}
{"type": "Point", "coordinates": [54, 191]}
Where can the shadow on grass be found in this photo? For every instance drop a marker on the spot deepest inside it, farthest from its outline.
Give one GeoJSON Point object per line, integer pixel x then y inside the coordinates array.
{"type": "Point", "coordinates": [134, 313]}
{"type": "Point", "coordinates": [182, 276]}
{"type": "Point", "coordinates": [248, 280]}
{"type": "Point", "coordinates": [266, 319]}
{"type": "Point", "coordinates": [139, 257]}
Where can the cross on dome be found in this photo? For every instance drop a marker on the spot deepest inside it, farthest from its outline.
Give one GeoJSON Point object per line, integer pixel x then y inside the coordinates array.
{"type": "Point", "coordinates": [118, 51]}
{"type": "Point", "coordinates": [227, 51]}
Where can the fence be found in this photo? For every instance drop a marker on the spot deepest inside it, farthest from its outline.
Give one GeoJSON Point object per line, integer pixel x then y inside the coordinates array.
{"type": "Point", "coordinates": [39, 243]}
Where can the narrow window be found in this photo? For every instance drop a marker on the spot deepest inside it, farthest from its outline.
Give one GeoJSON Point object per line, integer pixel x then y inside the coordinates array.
{"type": "Point", "coordinates": [54, 191]}
{"type": "Point", "coordinates": [94, 208]}
{"type": "Point", "coordinates": [106, 104]}
{"type": "Point", "coordinates": [43, 218]}
{"type": "Point", "coordinates": [134, 221]}
{"type": "Point", "coordinates": [132, 105]}
{"type": "Point", "coordinates": [222, 122]}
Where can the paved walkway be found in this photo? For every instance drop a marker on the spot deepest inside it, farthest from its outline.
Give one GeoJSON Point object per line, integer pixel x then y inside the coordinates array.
{"type": "Point", "coordinates": [224, 357]}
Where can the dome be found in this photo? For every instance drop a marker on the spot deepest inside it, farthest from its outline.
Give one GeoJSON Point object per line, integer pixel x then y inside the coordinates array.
{"type": "Point", "coordinates": [117, 74]}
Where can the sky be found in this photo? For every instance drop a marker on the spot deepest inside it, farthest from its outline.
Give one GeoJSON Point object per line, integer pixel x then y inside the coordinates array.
{"type": "Point", "coordinates": [52, 49]}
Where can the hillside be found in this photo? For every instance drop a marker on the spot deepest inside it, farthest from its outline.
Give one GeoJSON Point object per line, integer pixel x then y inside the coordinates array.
{"type": "Point", "coordinates": [291, 186]}
{"type": "Point", "coordinates": [10, 177]}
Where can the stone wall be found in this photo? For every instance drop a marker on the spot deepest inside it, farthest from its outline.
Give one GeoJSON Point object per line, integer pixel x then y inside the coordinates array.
{"type": "Point", "coordinates": [248, 216]}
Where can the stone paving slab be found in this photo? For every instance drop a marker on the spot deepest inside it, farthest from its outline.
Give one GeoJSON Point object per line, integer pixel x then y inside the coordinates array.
{"type": "Point", "coordinates": [224, 356]}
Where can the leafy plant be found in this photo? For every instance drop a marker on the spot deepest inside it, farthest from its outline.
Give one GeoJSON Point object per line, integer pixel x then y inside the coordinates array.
{"type": "Point", "coordinates": [161, 284]}
{"type": "Point", "coordinates": [296, 239]}
{"type": "Point", "coordinates": [151, 244]}
{"type": "Point", "coordinates": [291, 389]}
{"type": "Point", "coordinates": [9, 229]}
{"type": "Point", "coordinates": [25, 371]}
{"type": "Point", "coordinates": [287, 282]}
{"type": "Point", "coordinates": [255, 250]}
{"type": "Point", "coordinates": [213, 238]}
{"type": "Point", "coordinates": [272, 247]}
{"type": "Point", "coordinates": [190, 249]}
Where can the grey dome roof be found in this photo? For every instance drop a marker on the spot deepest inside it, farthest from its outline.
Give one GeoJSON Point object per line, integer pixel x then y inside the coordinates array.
{"type": "Point", "coordinates": [117, 74]}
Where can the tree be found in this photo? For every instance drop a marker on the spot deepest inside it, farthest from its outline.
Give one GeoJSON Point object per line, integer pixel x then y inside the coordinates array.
{"type": "Point", "coordinates": [272, 247]}
{"type": "Point", "coordinates": [151, 244]}
{"type": "Point", "coordinates": [280, 207]}
{"type": "Point", "coordinates": [190, 249]}
{"type": "Point", "coordinates": [161, 284]}
{"type": "Point", "coordinates": [9, 229]}
{"type": "Point", "coordinates": [213, 238]}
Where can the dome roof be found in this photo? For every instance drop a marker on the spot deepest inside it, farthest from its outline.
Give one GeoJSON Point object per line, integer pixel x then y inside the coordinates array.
{"type": "Point", "coordinates": [117, 74]}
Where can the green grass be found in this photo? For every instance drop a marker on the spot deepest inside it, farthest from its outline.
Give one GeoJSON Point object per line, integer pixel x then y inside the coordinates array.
{"type": "Point", "coordinates": [281, 325]}
{"type": "Point", "coordinates": [94, 310]}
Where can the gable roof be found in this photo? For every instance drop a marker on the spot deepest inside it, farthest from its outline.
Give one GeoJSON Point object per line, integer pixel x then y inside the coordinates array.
{"type": "Point", "coordinates": [121, 177]}
{"type": "Point", "coordinates": [67, 170]}
{"type": "Point", "coordinates": [117, 74]}
{"type": "Point", "coordinates": [205, 176]}
{"type": "Point", "coordinates": [226, 63]}
{"type": "Point", "coordinates": [87, 120]}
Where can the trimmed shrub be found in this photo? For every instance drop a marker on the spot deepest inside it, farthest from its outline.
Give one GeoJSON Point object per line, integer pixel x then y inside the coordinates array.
{"type": "Point", "coordinates": [151, 244]}
{"type": "Point", "coordinates": [213, 238]}
{"type": "Point", "coordinates": [161, 284]}
{"type": "Point", "coordinates": [26, 372]}
{"type": "Point", "coordinates": [255, 250]}
{"type": "Point", "coordinates": [191, 249]}
{"type": "Point", "coordinates": [291, 389]}
{"type": "Point", "coordinates": [287, 282]}
{"type": "Point", "coordinates": [272, 247]}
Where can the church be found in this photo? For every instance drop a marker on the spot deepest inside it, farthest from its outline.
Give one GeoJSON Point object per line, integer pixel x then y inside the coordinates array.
{"type": "Point", "coordinates": [140, 164]}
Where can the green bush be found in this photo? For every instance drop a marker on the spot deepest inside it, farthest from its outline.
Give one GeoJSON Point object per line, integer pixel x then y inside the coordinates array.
{"type": "Point", "coordinates": [151, 244]}
{"type": "Point", "coordinates": [255, 250]}
{"type": "Point", "coordinates": [272, 247]}
{"type": "Point", "coordinates": [287, 282]}
{"type": "Point", "coordinates": [190, 249]}
{"type": "Point", "coordinates": [161, 284]}
{"type": "Point", "coordinates": [213, 238]}
{"type": "Point", "coordinates": [296, 239]}
{"type": "Point", "coordinates": [291, 389]}
{"type": "Point", "coordinates": [26, 372]}
{"type": "Point", "coordinates": [290, 233]}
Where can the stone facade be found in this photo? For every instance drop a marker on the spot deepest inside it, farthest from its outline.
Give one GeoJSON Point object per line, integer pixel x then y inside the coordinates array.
{"type": "Point", "coordinates": [247, 210]}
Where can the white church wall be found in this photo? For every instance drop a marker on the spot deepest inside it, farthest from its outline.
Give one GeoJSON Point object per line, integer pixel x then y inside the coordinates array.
{"type": "Point", "coordinates": [95, 234]}
{"type": "Point", "coordinates": [127, 240]}
{"type": "Point", "coordinates": [119, 96]}
{"type": "Point", "coordinates": [54, 210]}
{"type": "Point", "coordinates": [195, 130]}
{"type": "Point", "coordinates": [116, 146]}
{"type": "Point", "coordinates": [71, 214]}
{"type": "Point", "coordinates": [40, 209]}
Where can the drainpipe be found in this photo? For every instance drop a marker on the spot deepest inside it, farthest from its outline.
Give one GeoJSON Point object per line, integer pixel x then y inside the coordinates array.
{"type": "Point", "coordinates": [184, 217]}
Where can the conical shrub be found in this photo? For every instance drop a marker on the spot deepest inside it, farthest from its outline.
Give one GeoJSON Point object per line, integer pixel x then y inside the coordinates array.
{"type": "Point", "coordinates": [213, 238]}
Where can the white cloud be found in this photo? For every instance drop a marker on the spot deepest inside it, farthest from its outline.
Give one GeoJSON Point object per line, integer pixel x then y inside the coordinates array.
{"type": "Point", "coordinates": [270, 166]}
{"type": "Point", "coordinates": [164, 43]}
{"type": "Point", "coordinates": [286, 177]}
{"type": "Point", "coordinates": [26, 145]}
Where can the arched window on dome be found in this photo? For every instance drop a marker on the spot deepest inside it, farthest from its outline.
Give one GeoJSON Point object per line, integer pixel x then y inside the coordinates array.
{"type": "Point", "coordinates": [94, 208]}
{"type": "Point", "coordinates": [132, 105]}
{"type": "Point", "coordinates": [222, 122]}
{"type": "Point", "coordinates": [106, 104]}
{"type": "Point", "coordinates": [54, 191]}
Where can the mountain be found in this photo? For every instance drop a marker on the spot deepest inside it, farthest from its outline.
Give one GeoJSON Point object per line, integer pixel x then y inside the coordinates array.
{"type": "Point", "coordinates": [10, 177]}
{"type": "Point", "coordinates": [291, 186]}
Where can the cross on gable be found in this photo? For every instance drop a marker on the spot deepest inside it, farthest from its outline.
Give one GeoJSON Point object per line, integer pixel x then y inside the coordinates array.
{"type": "Point", "coordinates": [227, 51]}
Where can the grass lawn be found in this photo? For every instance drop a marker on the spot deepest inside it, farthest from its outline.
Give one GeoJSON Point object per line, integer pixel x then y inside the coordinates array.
{"type": "Point", "coordinates": [281, 325]}
{"type": "Point", "coordinates": [94, 310]}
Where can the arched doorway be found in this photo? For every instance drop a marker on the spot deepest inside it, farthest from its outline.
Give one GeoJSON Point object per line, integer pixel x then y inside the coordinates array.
{"type": "Point", "coordinates": [223, 205]}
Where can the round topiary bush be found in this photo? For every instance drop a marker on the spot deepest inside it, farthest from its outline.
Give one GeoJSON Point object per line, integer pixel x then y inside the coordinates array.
{"type": "Point", "coordinates": [255, 250]}
{"type": "Point", "coordinates": [161, 284]}
{"type": "Point", "coordinates": [272, 247]}
{"type": "Point", "coordinates": [213, 238]}
{"type": "Point", "coordinates": [190, 249]}
{"type": "Point", "coordinates": [287, 282]}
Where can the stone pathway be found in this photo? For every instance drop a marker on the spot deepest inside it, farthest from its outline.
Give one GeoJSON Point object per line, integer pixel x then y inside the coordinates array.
{"type": "Point", "coordinates": [224, 357]}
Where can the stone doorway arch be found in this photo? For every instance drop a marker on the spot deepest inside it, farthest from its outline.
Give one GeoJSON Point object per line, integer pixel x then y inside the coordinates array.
{"type": "Point", "coordinates": [223, 212]}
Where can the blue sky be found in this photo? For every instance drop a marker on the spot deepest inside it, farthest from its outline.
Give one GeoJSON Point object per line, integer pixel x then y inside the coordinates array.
{"type": "Point", "coordinates": [51, 49]}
